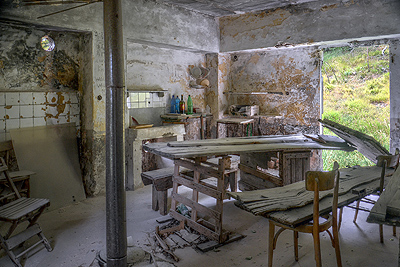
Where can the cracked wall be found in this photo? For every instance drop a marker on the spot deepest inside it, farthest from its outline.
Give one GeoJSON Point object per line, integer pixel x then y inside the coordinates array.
{"type": "Point", "coordinates": [317, 21]}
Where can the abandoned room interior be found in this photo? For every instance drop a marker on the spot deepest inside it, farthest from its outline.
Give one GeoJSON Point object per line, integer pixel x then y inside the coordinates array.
{"type": "Point", "coordinates": [83, 98]}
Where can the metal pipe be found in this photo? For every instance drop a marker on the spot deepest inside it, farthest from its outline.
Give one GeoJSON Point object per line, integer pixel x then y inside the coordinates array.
{"type": "Point", "coordinates": [115, 139]}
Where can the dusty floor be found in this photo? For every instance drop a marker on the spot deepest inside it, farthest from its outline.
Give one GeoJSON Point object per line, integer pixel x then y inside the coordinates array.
{"type": "Point", "coordinates": [78, 231]}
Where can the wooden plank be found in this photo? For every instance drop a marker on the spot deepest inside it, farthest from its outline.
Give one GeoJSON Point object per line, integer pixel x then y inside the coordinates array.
{"type": "Point", "coordinates": [295, 195]}
{"type": "Point", "coordinates": [262, 175]}
{"type": "Point", "coordinates": [378, 211]}
{"type": "Point", "coordinates": [198, 168]}
{"type": "Point", "coordinates": [266, 139]}
{"type": "Point", "coordinates": [198, 207]}
{"type": "Point", "coordinates": [393, 207]}
{"type": "Point", "coordinates": [201, 187]}
{"type": "Point", "coordinates": [365, 144]}
{"type": "Point", "coordinates": [164, 150]}
{"type": "Point", "coordinates": [295, 217]}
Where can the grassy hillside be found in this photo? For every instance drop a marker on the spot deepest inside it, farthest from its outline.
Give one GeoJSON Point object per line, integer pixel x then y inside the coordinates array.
{"type": "Point", "coordinates": [356, 94]}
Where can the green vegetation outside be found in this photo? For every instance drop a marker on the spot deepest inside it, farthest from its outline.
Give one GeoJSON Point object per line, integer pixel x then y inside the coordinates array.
{"type": "Point", "coordinates": [356, 94]}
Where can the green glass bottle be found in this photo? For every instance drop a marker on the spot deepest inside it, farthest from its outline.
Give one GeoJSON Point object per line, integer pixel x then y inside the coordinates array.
{"type": "Point", "coordinates": [189, 105]}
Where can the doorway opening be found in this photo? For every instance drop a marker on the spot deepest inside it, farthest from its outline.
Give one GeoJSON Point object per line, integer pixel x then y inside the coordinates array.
{"type": "Point", "coordinates": [356, 94]}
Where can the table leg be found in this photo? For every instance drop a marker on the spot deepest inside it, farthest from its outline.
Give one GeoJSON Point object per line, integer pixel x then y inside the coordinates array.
{"type": "Point", "coordinates": [195, 193]}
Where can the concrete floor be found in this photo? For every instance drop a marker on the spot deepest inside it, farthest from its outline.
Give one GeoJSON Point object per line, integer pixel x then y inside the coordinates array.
{"type": "Point", "coordinates": [78, 231]}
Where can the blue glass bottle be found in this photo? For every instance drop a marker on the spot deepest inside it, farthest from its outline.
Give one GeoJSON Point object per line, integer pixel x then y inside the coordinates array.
{"type": "Point", "coordinates": [173, 105]}
{"type": "Point", "coordinates": [177, 104]}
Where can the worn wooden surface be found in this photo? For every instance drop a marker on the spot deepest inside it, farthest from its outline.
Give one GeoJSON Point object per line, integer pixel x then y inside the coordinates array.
{"type": "Point", "coordinates": [291, 201]}
{"type": "Point", "coordinates": [237, 145]}
{"type": "Point", "coordinates": [379, 212]}
{"type": "Point", "coordinates": [365, 144]}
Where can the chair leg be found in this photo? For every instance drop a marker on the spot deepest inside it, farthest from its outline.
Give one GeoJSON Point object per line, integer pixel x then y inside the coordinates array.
{"type": "Point", "coordinates": [340, 217]}
{"type": "Point", "coordinates": [356, 213]}
{"type": "Point", "coordinates": [336, 243]}
{"type": "Point", "coordinates": [317, 249]}
{"type": "Point", "coordinates": [394, 231]}
{"type": "Point", "coordinates": [296, 245]}
{"type": "Point", "coordinates": [381, 233]}
{"type": "Point", "coordinates": [271, 235]}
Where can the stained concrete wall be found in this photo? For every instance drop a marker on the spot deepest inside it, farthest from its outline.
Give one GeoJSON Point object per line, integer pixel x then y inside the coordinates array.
{"type": "Point", "coordinates": [324, 20]}
{"type": "Point", "coordinates": [288, 83]}
{"type": "Point", "coordinates": [143, 20]}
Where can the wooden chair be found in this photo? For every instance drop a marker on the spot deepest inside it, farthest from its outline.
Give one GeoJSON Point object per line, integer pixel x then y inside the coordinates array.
{"type": "Point", "coordinates": [20, 210]}
{"type": "Point", "coordinates": [391, 161]}
{"type": "Point", "coordinates": [315, 181]}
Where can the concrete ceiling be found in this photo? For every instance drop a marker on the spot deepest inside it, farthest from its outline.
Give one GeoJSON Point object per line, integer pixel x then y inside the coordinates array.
{"type": "Point", "coordinates": [219, 8]}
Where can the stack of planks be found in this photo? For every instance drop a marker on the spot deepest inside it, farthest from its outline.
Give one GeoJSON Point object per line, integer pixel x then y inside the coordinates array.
{"type": "Point", "coordinates": [387, 208]}
{"type": "Point", "coordinates": [261, 202]}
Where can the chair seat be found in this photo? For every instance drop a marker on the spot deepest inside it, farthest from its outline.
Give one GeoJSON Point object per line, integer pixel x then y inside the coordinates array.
{"type": "Point", "coordinates": [21, 207]}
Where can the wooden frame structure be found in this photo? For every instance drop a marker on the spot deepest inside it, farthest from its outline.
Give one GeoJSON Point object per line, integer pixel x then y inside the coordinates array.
{"type": "Point", "coordinates": [201, 170]}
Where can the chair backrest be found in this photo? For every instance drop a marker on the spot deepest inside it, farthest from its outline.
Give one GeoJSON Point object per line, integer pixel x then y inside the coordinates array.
{"type": "Point", "coordinates": [387, 161]}
{"type": "Point", "coordinates": [5, 175]}
{"type": "Point", "coordinates": [320, 181]}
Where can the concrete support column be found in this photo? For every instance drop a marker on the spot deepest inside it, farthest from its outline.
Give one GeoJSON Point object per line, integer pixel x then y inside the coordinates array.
{"type": "Point", "coordinates": [115, 135]}
{"type": "Point", "coordinates": [394, 66]}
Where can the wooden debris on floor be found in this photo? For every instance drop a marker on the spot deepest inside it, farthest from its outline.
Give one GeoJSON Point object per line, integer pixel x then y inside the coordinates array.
{"type": "Point", "coordinates": [173, 234]}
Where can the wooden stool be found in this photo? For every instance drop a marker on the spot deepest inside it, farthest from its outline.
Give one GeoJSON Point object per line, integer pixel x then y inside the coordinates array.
{"type": "Point", "coordinates": [161, 180]}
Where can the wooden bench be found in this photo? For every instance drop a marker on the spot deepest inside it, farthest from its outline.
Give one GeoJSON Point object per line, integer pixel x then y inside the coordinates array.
{"type": "Point", "coordinates": [161, 180]}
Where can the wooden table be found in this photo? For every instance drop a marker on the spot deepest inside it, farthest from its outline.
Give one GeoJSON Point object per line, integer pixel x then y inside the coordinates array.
{"type": "Point", "coordinates": [177, 118]}
{"type": "Point", "coordinates": [243, 122]}
{"type": "Point", "coordinates": [193, 154]}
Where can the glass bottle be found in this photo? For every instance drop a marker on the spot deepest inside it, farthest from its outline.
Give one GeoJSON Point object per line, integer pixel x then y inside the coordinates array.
{"type": "Point", "coordinates": [173, 105]}
{"type": "Point", "coordinates": [182, 105]}
{"type": "Point", "coordinates": [189, 105]}
{"type": "Point", "coordinates": [177, 104]}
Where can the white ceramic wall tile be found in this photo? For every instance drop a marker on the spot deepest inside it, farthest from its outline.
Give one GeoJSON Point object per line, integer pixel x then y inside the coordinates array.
{"type": "Point", "coordinates": [74, 98]}
{"type": "Point", "coordinates": [39, 111]}
{"type": "Point", "coordinates": [64, 97]}
{"type": "Point", "coordinates": [12, 99]}
{"type": "Point", "coordinates": [64, 109]}
{"type": "Point", "coordinates": [8, 136]}
{"type": "Point", "coordinates": [51, 110]}
{"type": "Point", "coordinates": [12, 124]}
{"type": "Point", "coordinates": [134, 97]}
{"type": "Point", "coordinates": [142, 104]}
{"type": "Point", "coordinates": [51, 98]}
{"type": "Point", "coordinates": [134, 105]}
{"type": "Point", "coordinates": [26, 111]}
{"type": "Point", "coordinates": [142, 96]}
{"type": "Point", "coordinates": [2, 99]}
{"type": "Point", "coordinates": [26, 122]}
{"type": "Point", "coordinates": [2, 126]}
{"type": "Point", "coordinates": [2, 112]}
{"type": "Point", "coordinates": [51, 121]}
{"type": "Point", "coordinates": [63, 119]}
{"type": "Point", "coordinates": [39, 121]}
{"type": "Point", "coordinates": [12, 112]}
{"type": "Point", "coordinates": [25, 98]}
{"type": "Point", "coordinates": [39, 98]}
{"type": "Point", "coordinates": [74, 119]}
{"type": "Point", "coordinates": [74, 109]}
{"type": "Point", "coordinates": [2, 137]}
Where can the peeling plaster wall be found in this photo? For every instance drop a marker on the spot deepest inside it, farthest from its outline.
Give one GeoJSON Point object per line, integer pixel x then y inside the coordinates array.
{"type": "Point", "coordinates": [145, 20]}
{"type": "Point", "coordinates": [155, 68]}
{"type": "Point", "coordinates": [324, 20]}
{"type": "Point", "coordinates": [294, 73]}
